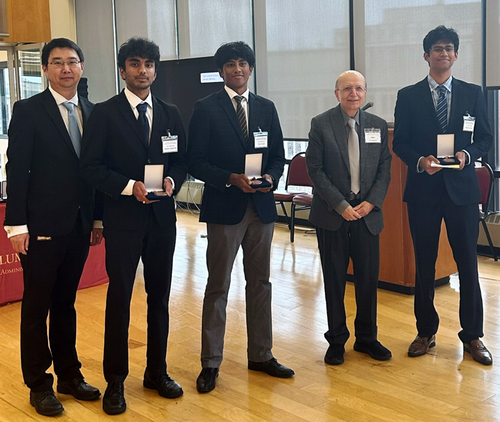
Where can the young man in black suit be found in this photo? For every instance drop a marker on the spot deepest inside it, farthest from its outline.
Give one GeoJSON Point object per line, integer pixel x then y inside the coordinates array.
{"type": "Point", "coordinates": [437, 105]}
{"type": "Point", "coordinates": [225, 128]}
{"type": "Point", "coordinates": [125, 135]}
{"type": "Point", "coordinates": [49, 220]}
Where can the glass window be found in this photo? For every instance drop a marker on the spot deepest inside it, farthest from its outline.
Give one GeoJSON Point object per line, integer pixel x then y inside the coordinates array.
{"type": "Point", "coordinates": [307, 47]}
{"type": "Point", "coordinates": [155, 20]}
{"type": "Point", "coordinates": [208, 24]}
{"type": "Point", "coordinates": [394, 32]}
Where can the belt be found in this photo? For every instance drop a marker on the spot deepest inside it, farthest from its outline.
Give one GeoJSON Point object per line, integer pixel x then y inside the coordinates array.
{"type": "Point", "coordinates": [353, 196]}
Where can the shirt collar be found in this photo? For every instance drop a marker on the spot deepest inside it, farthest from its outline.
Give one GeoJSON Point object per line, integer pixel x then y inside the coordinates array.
{"type": "Point", "coordinates": [60, 99]}
{"type": "Point", "coordinates": [233, 94]}
{"type": "Point", "coordinates": [347, 117]}
{"type": "Point", "coordinates": [434, 85]}
{"type": "Point", "coordinates": [134, 100]}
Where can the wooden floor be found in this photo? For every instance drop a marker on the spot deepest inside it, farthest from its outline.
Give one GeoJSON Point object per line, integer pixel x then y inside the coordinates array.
{"type": "Point", "coordinates": [444, 385]}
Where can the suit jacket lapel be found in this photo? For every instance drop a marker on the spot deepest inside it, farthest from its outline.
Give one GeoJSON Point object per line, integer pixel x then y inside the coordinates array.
{"type": "Point", "coordinates": [129, 117]}
{"type": "Point", "coordinates": [362, 144]}
{"type": "Point", "coordinates": [52, 109]}
{"type": "Point", "coordinates": [456, 90]}
{"type": "Point", "coordinates": [339, 132]}
{"type": "Point", "coordinates": [86, 109]}
{"type": "Point", "coordinates": [160, 123]}
{"type": "Point", "coordinates": [227, 106]}
{"type": "Point", "coordinates": [253, 115]}
{"type": "Point", "coordinates": [425, 92]}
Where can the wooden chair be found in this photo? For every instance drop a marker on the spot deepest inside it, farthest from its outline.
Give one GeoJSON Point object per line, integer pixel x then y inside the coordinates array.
{"type": "Point", "coordinates": [486, 178]}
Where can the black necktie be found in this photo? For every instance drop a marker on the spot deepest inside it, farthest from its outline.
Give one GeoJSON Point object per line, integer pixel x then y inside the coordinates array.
{"type": "Point", "coordinates": [143, 121]}
{"type": "Point", "coordinates": [242, 118]}
{"type": "Point", "coordinates": [442, 108]}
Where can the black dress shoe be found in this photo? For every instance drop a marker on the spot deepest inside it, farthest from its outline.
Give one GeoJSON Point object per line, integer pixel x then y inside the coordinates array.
{"type": "Point", "coordinates": [206, 380]}
{"type": "Point", "coordinates": [335, 354]}
{"type": "Point", "coordinates": [374, 349]}
{"type": "Point", "coordinates": [113, 401]}
{"type": "Point", "coordinates": [271, 367]}
{"type": "Point", "coordinates": [79, 389]}
{"type": "Point", "coordinates": [165, 385]}
{"type": "Point", "coordinates": [46, 403]}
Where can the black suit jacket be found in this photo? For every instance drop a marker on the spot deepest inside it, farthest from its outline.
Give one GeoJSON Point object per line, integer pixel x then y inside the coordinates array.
{"type": "Point", "coordinates": [114, 152]}
{"type": "Point", "coordinates": [44, 187]}
{"type": "Point", "coordinates": [217, 148]}
{"type": "Point", "coordinates": [415, 135]}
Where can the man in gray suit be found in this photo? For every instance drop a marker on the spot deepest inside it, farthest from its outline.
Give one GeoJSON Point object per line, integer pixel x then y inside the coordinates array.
{"type": "Point", "coordinates": [349, 163]}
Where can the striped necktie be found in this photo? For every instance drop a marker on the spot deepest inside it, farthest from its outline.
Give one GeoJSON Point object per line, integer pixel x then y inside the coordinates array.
{"type": "Point", "coordinates": [73, 129]}
{"type": "Point", "coordinates": [442, 108]}
{"type": "Point", "coordinates": [242, 118]}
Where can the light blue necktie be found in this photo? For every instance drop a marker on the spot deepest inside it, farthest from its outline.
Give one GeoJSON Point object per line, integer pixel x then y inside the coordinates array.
{"type": "Point", "coordinates": [74, 130]}
{"type": "Point", "coordinates": [442, 108]}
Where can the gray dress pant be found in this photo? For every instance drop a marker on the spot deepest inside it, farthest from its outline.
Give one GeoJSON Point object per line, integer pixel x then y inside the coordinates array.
{"type": "Point", "coordinates": [224, 242]}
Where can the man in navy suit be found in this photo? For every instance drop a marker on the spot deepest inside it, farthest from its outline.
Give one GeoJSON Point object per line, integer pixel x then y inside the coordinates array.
{"type": "Point", "coordinates": [441, 104]}
{"type": "Point", "coordinates": [349, 162]}
{"type": "Point", "coordinates": [49, 220]}
{"type": "Point", "coordinates": [125, 135]}
{"type": "Point", "coordinates": [226, 128]}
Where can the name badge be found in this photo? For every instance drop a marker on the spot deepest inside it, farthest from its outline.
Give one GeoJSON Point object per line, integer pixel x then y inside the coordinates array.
{"type": "Point", "coordinates": [372, 136]}
{"type": "Point", "coordinates": [469, 123]}
{"type": "Point", "coordinates": [260, 139]}
{"type": "Point", "coordinates": [169, 143]}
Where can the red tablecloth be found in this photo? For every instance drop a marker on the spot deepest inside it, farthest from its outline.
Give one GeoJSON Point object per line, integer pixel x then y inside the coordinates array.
{"type": "Point", "coordinates": [11, 272]}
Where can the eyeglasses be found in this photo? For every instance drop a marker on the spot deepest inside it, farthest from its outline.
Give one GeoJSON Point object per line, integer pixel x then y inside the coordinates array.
{"type": "Point", "coordinates": [439, 50]}
{"type": "Point", "coordinates": [60, 64]}
{"type": "Point", "coordinates": [348, 89]}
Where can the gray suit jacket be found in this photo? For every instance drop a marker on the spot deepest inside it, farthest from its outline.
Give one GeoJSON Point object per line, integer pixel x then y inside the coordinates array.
{"type": "Point", "coordinates": [327, 160]}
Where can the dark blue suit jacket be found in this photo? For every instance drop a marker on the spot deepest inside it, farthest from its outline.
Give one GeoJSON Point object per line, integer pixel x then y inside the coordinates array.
{"type": "Point", "coordinates": [44, 187]}
{"type": "Point", "coordinates": [114, 152]}
{"type": "Point", "coordinates": [415, 135]}
{"type": "Point", "coordinates": [216, 148]}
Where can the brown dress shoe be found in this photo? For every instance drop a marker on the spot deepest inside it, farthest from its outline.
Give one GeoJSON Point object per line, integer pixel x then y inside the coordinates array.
{"type": "Point", "coordinates": [478, 351]}
{"type": "Point", "coordinates": [421, 345]}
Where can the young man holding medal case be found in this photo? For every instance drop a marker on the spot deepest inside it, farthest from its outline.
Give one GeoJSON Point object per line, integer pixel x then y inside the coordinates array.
{"type": "Point", "coordinates": [235, 136]}
{"type": "Point", "coordinates": [125, 137]}
{"type": "Point", "coordinates": [437, 107]}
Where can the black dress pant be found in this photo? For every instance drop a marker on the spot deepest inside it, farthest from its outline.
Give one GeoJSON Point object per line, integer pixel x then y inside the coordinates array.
{"type": "Point", "coordinates": [462, 226]}
{"type": "Point", "coordinates": [52, 271]}
{"type": "Point", "coordinates": [156, 246]}
{"type": "Point", "coordinates": [352, 239]}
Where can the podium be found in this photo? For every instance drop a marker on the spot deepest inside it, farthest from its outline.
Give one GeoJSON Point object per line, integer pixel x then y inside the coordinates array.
{"type": "Point", "coordinates": [397, 260]}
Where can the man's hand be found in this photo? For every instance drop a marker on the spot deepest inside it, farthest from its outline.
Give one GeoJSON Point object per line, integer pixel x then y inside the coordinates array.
{"type": "Point", "coordinates": [96, 236]}
{"type": "Point", "coordinates": [462, 157]}
{"type": "Point", "coordinates": [20, 243]}
{"type": "Point", "coordinates": [425, 163]}
{"type": "Point", "coordinates": [364, 208]}
{"type": "Point", "coordinates": [270, 180]}
{"type": "Point", "coordinates": [242, 182]}
{"type": "Point", "coordinates": [140, 193]}
{"type": "Point", "coordinates": [350, 214]}
{"type": "Point", "coordinates": [167, 186]}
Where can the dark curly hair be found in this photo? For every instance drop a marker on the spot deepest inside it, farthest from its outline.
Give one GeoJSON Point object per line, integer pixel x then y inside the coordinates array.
{"type": "Point", "coordinates": [138, 47]}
